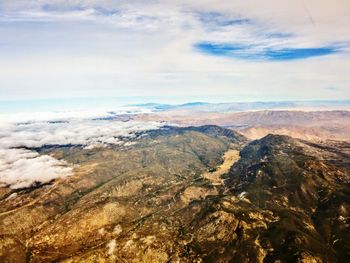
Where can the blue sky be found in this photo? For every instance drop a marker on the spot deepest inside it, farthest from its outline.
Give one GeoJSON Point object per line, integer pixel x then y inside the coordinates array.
{"type": "Point", "coordinates": [250, 52]}
{"type": "Point", "coordinates": [244, 50]}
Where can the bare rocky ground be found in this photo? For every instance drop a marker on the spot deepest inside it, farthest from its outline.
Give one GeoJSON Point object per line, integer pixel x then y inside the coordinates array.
{"type": "Point", "coordinates": [185, 195]}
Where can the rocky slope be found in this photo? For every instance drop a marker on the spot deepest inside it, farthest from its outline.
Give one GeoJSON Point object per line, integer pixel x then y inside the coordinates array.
{"type": "Point", "coordinates": [306, 187]}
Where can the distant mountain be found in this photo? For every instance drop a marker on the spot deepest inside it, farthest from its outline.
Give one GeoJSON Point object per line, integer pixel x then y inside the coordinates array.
{"type": "Point", "coordinates": [165, 107]}
{"type": "Point", "coordinates": [312, 125]}
{"type": "Point", "coordinates": [246, 106]}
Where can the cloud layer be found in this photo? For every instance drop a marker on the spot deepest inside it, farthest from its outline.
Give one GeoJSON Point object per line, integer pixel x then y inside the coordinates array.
{"type": "Point", "coordinates": [282, 49]}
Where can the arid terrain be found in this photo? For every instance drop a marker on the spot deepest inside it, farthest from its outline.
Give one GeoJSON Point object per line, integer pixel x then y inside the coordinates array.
{"type": "Point", "coordinates": [191, 194]}
{"type": "Point", "coordinates": [311, 125]}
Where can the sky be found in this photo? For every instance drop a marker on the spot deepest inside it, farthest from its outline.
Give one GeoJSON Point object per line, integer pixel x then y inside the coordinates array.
{"type": "Point", "coordinates": [194, 50]}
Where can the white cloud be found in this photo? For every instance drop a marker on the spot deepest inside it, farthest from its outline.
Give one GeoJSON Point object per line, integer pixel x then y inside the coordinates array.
{"type": "Point", "coordinates": [82, 132]}
{"type": "Point", "coordinates": [21, 168]}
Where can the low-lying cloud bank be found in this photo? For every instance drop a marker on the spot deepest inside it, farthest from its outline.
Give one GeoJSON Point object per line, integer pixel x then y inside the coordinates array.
{"type": "Point", "coordinates": [82, 132]}
{"type": "Point", "coordinates": [20, 167]}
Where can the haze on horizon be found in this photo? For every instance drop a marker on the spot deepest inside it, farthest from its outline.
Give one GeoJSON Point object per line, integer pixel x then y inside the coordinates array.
{"type": "Point", "coordinates": [234, 49]}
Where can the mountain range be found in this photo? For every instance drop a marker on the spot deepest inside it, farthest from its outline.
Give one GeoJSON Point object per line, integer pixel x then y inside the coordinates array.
{"type": "Point", "coordinates": [185, 194]}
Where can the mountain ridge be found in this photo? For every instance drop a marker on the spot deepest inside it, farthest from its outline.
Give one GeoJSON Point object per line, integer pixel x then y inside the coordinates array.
{"type": "Point", "coordinates": [287, 176]}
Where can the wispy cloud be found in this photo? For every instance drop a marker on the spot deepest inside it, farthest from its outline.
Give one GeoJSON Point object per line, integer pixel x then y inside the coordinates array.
{"type": "Point", "coordinates": [214, 20]}
{"type": "Point", "coordinates": [334, 89]}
